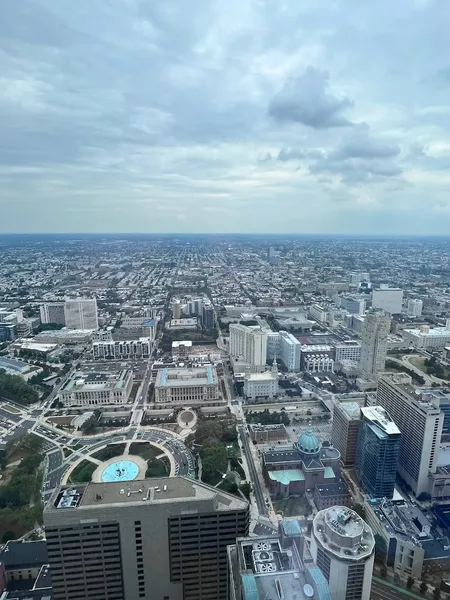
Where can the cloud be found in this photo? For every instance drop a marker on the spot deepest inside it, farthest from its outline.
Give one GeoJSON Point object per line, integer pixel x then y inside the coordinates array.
{"type": "Point", "coordinates": [180, 108]}
{"type": "Point", "coordinates": [308, 100]}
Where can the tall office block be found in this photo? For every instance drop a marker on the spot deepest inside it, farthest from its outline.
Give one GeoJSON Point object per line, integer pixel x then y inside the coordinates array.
{"type": "Point", "coordinates": [378, 451]}
{"type": "Point", "coordinates": [344, 433]}
{"type": "Point", "coordinates": [290, 351]}
{"type": "Point", "coordinates": [374, 334]}
{"type": "Point", "coordinates": [414, 308]}
{"type": "Point", "coordinates": [81, 313]}
{"type": "Point", "coordinates": [342, 545]}
{"type": "Point", "coordinates": [420, 420]}
{"type": "Point", "coordinates": [176, 309]}
{"type": "Point", "coordinates": [152, 539]}
{"type": "Point", "coordinates": [388, 299]}
{"type": "Point", "coordinates": [53, 312]}
{"type": "Point", "coordinates": [208, 316]}
{"type": "Point", "coordinates": [248, 343]}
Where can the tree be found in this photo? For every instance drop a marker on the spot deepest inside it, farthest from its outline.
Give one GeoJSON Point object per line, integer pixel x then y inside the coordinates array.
{"type": "Point", "coordinates": [436, 593]}
{"type": "Point", "coordinates": [359, 510]}
{"type": "Point", "coordinates": [409, 582]}
{"type": "Point", "coordinates": [423, 587]}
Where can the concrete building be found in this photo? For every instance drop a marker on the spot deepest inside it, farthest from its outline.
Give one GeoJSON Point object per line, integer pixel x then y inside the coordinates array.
{"type": "Point", "coordinates": [275, 566]}
{"type": "Point", "coordinates": [427, 337]}
{"type": "Point", "coordinates": [319, 313]}
{"type": "Point", "coordinates": [176, 309]}
{"type": "Point", "coordinates": [100, 388]}
{"type": "Point", "coordinates": [53, 312]}
{"type": "Point", "coordinates": [189, 387]}
{"type": "Point", "coordinates": [377, 452]}
{"type": "Point", "coordinates": [22, 565]}
{"type": "Point", "coordinates": [208, 317]}
{"type": "Point", "coordinates": [195, 307]}
{"type": "Point", "coordinates": [184, 323]}
{"type": "Point", "coordinates": [267, 433]}
{"type": "Point", "coordinates": [261, 385]}
{"type": "Point", "coordinates": [8, 325]}
{"type": "Point", "coordinates": [411, 548]}
{"type": "Point", "coordinates": [16, 367]}
{"type": "Point", "coordinates": [356, 305]}
{"type": "Point", "coordinates": [374, 337]}
{"type": "Point", "coordinates": [318, 363]}
{"type": "Point", "coordinates": [152, 539]}
{"type": "Point", "coordinates": [345, 429]}
{"type": "Point", "coordinates": [420, 420]}
{"type": "Point", "coordinates": [342, 545]}
{"type": "Point", "coordinates": [332, 494]}
{"type": "Point", "coordinates": [347, 350]}
{"type": "Point", "coordinates": [81, 313]}
{"type": "Point", "coordinates": [388, 299]}
{"type": "Point", "coordinates": [124, 349]}
{"type": "Point", "coordinates": [414, 308]}
{"type": "Point", "coordinates": [292, 470]}
{"type": "Point", "coordinates": [289, 350]}
{"type": "Point", "coordinates": [248, 343]}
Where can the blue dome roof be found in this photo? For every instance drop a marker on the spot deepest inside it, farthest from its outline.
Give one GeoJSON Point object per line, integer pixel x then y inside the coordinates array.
{"type": "Point", "coordinates": [308, 443]}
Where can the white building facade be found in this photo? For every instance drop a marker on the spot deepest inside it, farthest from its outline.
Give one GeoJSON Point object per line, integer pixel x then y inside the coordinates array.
{"type": "Point", "coordinates": [249, 343]}
{"type": "Point", "coordinates": [97, 389]}
{"type": "Point", "coordinates": [261, 385]}
{"type": "Point", "coordinates": [290, 351]}
{"type": "Point", "coordinates": [348, 350]}
{"type": "Point", "coordinates": [81, 313]}
{"type": "Point", "coordinates": [414, 308]}
{"type": "Point", "coordinates": [342, 545]}
{"type": "Point", "coordinates": [141, 348]}
{"type": "Point", "coordinates": [388, 299]}
{"type": "Point", "coordinates": [427, 337]}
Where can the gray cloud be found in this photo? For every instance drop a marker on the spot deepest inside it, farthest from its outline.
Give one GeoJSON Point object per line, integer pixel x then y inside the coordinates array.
{"type": "Point", "coordinates": [175, 108]}
{"type": "Point", "coordinates": [307, 99]}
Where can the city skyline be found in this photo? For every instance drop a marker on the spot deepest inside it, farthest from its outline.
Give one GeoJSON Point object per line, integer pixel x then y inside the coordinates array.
{"type": "Point", "coordinates": [290, 119]}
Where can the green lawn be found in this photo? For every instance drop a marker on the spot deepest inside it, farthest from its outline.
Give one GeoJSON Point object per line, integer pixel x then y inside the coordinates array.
{"type": "Point", "coordinates": [144, 450]}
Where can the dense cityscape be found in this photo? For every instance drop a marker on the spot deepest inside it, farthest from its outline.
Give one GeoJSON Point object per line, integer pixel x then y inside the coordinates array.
{"type": "Point", "coordinates": [236, 417]}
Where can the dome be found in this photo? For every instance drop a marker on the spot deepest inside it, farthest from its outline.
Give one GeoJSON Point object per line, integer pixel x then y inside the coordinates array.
{"type": "Point", "coordinates": [308, 443]}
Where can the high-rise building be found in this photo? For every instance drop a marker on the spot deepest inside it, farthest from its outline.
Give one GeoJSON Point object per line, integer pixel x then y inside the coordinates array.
{"type": "Point", "coordinates": [208, 316]}
{"type": "Point", "coordinates": [414, 308]}
{"type": "Point", "coordinates": [176, 309]}
{"type": "Point", "coordinates": [81, 313]}
{"type": "Point", "coordinates": [347, 350]}
{"type": "Point", "coordinates": [374, 335]}
{"type": "Point", "coordinates": [377, 454]}
{"type": "Point", "coordinates": [53, 312]}
{"type": "Point", "coordinates": [290, 351]}
{"type": "Point", "coordinates": [152, 539]}
{"type": "Point", "coordinates": [420, 420]}
{"type": "Point", "coordinates": [342, 546]}
{"type": "Point", "coordinates": [344, 433]}
{"type": "Point", "coordinates": [354, 304]}
{"type": "Point", "coordinates": [276, 566]}
{"type": "Point", "coordinates": [248, 343]}
{"type": "Point", "coordinates": [388, 299]}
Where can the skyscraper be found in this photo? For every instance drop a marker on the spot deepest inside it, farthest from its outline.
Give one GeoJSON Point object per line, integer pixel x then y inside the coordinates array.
{"type": "Point", "coordinates": [150, 539]}
{"type": "Point", "coordinates": [415, 306]}
{"type": "Point", "coordinates": [248, 343]}
{"type": "Point", "coordinates": [53, 312]}
{"type": "Point", "coordinates": [420, 420]}
{"type": "Point", "coordinates": [342, 545]}
{"type": "Point", "coordinates": [388, 299]}
{"type": "Point", "coordinates": [375, 330]}
{"type": "Point", "coordinates": [377, 454]}
{"type": "Point", "coordinates": [344, 434]}
{"type": "Point", "coordinates": [81, 313]}
{"type": "Point", "coordinates": [176, 309]}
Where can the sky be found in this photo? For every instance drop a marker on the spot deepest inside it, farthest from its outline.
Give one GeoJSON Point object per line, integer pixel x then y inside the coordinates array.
{"type": "Point", "coordinates": [271, 116]}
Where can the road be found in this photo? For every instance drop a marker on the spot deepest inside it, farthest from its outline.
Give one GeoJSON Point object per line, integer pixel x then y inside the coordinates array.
{"type": "Point", "coordinates": [382, 590]}
{"type": "Point", "coordinates": [259, 496]}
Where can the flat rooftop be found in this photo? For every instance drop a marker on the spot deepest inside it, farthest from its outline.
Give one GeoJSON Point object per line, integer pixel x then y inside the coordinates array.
{"type": "Point", "coordinates": [352, 410]}
{"type": "Point", "coordinates": [380, 417]}
{"type": "Point", "coordinates": [186, 377]}
{"type": "Point", "coordinates": [154, 490]}
{"type": "Point", "coordinates": [83, 381]}
{"type": "Point", "coordinates": [266, 376]}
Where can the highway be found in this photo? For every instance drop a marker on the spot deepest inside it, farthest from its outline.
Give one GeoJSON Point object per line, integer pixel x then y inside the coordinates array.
{"type": "Point", "coordinates": [259, 497]}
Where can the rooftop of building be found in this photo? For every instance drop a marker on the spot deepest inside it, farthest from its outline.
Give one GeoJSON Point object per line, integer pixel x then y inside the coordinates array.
{"type": "Point", "coordinates": [97, 381]}
{"type": "Point", "coordinates": [433, 331]}
{"type": "Point", "coordinates": [186, 377]}
{"type": "Point", "coordinates": [265, 376]}
{"type": "Point", "coordinates": [13, 364]}
{"type": "Point", "coordinates": [378, 416]}
{"type": "Point", "coordinates": [352, 410]}
{"type": "Point", "coordinates": [402, 519]}
{"type": "Point", "coordinates": [153, 491]}
{"type": "Point", "coordinates": [182, 343]}
{"type": "Point", "coordinates": [258, 427]}
{"type": "Point", "coordinates": [343, 533]}
{"type": "Point", "coordinates": [269, 569]}
{"type": "Point", "coordinates": [337, 488]}
{"type": "Point", "coordinates": [19, 554]}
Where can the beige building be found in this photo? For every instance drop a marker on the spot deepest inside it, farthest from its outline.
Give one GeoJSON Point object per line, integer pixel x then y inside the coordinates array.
{"type": "Point", "coordinates": [97, 388]}
{"type": "Point", "coordinates": [420, 420]}
{"type": "Point", "coordinates": [374, 336]}
{"type": "Point", "coordinates": [152, 540]}
{"type": "Point", "coordinates": [249, 344]}
{"type": "Point", "coordinates": [344, 433]}
{"type": "Point", "coordinates": [193, 387]}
